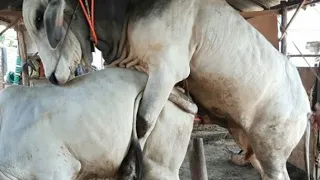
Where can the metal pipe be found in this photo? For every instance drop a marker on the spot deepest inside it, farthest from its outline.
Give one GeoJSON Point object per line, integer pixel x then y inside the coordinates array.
{"type": "Point", "coordinates": [284, 21]}
{"type": "Point", "coordinates": [303, 55]}
{"type": "Point", "coordinates": [294, 15]}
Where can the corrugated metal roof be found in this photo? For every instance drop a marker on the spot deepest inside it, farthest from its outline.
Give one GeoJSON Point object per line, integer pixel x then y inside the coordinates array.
{"type": "Point", "coordinates": [260, 5]}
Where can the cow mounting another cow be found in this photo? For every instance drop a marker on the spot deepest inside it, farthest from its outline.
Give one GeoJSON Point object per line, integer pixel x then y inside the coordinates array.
{"type": "Point", "coordinates": [228, 64]}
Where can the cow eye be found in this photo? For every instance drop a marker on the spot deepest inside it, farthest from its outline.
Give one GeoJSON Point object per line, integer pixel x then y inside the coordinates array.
{"type": "Point", "coordinates": [39, 19]}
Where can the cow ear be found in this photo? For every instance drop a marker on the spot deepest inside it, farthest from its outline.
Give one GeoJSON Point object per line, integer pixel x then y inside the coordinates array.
{"type": "Point", "coordinates": [53, 22]}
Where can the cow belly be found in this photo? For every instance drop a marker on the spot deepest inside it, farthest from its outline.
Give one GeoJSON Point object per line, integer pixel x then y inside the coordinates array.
{"type": "Point", "coordinates": [222, 96]}
{"type": "Point", "coordinates": [248, 93]}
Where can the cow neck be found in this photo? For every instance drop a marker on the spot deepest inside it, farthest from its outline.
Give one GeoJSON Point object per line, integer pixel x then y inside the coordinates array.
{"type": "Point", "coordinates": [90, 18]}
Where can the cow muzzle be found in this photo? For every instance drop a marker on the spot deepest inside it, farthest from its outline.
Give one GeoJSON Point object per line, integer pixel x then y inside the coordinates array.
{"type": "Point", "coordinates": [53, 79]}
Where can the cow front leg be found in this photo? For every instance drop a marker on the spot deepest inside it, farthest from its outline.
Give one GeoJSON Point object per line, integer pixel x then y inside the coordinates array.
{"type": "Point", "coordinates": [155, 95]}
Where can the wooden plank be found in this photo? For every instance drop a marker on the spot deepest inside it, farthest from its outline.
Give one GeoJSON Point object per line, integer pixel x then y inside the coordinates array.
{"type": "Point", "coordinates": [10, 13]}
{"type": "Point", "coordinates": [267, 25]}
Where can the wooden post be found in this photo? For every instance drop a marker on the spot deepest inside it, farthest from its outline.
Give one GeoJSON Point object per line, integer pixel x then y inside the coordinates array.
{"type": "Point", "coordinates": [197, 160]}
{"type": "Point", "coordinates": [23, 55]}
{"type": "Point", "coordinates": [284, 21]}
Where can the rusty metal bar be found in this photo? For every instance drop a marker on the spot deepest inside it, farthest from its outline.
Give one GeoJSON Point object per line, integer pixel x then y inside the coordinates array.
{"type": "Point", "coordinates": [284, 21]}
{"type": "Point", "coordinates": [304, 55]}
{"type": "Point", "coordinates": [197, 159]}
{"type": "Point", "coordinates": [293, 17]}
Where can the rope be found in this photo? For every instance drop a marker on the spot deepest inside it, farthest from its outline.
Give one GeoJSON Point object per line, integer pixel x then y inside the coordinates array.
{"type": "Point", "coordinates": [318, 78]}
{"type": "Point", "coordinates": [65, 36]}
{"type": "Point", "coordinates": [90, 20]}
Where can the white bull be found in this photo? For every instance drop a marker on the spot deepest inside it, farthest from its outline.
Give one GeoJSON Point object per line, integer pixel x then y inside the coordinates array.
{"type": "Point", "coordinates": [230, 66]}
{"type": "Point", "coordinates": [83, 129]}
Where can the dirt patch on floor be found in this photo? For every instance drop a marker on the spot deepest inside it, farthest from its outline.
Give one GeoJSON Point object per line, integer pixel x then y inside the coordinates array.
{"type": "Point", "coordinates": [218, 161]}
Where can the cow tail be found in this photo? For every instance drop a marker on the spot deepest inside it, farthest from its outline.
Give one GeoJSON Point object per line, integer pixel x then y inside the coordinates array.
{"type": "Point", "coordinates": [132, 167]}
{"type": "Point", "coordinates": [307, 146]}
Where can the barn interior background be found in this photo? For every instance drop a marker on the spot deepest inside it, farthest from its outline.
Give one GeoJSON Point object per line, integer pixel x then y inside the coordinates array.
{"type": "Point", "coordinates": [291, 26]}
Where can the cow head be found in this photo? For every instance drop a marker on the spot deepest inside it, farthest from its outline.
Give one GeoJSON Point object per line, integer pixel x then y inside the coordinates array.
{"type": "Point", "coordinates": [61, 51]}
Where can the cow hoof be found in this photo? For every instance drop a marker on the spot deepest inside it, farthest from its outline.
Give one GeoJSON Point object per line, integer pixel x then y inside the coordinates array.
{"type": "Point", "coordinates": [239, 159]}
{"type": "Point", "coordinates": [142, 126]}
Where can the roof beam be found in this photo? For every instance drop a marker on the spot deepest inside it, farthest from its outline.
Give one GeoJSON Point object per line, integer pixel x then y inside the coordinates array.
{"type": "Point", "coordinates": [10, 25]}
{"type": "Point", "coordinates": [10, 13]}
{"type": "Point", "coordinates": [294, 4]}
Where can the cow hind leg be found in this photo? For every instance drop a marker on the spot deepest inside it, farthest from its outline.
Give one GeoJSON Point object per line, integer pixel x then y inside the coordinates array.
{"type": "Point", "coordinates": [247, 156]}
{"type": "Point", "coordinates": [242, 141]}
{"type": "Point", "coordinates": [272, 148]}
{"type": "Point", "coordinates": [271, 164]}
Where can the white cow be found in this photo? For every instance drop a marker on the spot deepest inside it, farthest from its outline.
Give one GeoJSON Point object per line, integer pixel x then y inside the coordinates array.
{"type": "Point", "coordinates": [83, 129]}
{"type": "Point", "coordinates": [230, 66]}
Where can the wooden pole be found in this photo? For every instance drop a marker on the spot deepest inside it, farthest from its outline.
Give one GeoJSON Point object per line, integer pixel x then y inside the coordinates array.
{"type": "Point", "coordinates": [197, 159]}
{"type": "Point", "coordinates": [13, 23]}
{"type": "Point", "coordinates": [23, 55]}
{"type": "Point", "coordinates": [284, 21]}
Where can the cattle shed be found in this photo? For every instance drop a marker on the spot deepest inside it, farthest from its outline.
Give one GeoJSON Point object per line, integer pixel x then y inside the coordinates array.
{"type": "Point", "coordinates": [261, 14]}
